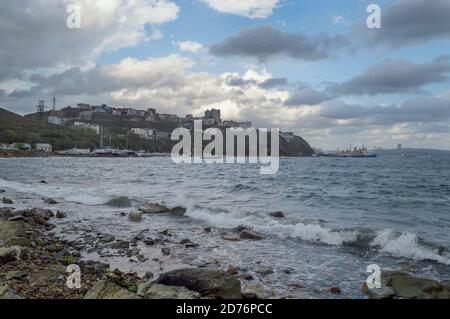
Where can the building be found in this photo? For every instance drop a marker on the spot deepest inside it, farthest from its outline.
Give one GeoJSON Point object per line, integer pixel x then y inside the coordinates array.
{"type": "Point", "coordinates": [399, 146]}
{"type": "Point", "coordinates": [244, 125]}
{"type": "Point", "coordinates": [95, 127]}
{"type": "Point", "coordinates": [43, 147]}
{"type": "Point", "coordinates": [169, 117]}
{"type": "Point", "coordinates": [85, 115]}
{"type": "Point", "coordinates": [148, 134]}
{"type": "Point", "coordinates": [213, 114]}
{"type": "Point", "coordinates": [55, 120]}
{"type": "Point", "coordinates": [20, 146]}
{"type": "Point", "coordinates": [163, 135]}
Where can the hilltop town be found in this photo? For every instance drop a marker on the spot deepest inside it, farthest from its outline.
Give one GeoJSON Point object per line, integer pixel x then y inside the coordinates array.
{"type": "Point", "coordinates": [84, 128]}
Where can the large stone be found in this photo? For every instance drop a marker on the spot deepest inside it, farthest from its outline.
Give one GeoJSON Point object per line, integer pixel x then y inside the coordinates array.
{"type": "Point", "coordinates": [209, 283]}
{"type": "Point", "coordinates": [6, 293]}
{"type": "Point", "coordinates": [10, 229]}
{"type": "Point", "coordinates": [250, 235]}
{"type": "Point", "coordinates": [18, 241]}
{"type": "Point", "coordinates": [409, 287]}
{"type": "Point", "coordinates": [51, 274]}
{"type": "Point", "coordinates": [60, 214]}
{"type": "Point", "coordinates": [151, 208]}
{"type": "Point", "coordinates": [120, 202]}
{"type": "Point", "coordinates": [6, 212]}
{"type": "Point", "coordinates": [50, 201]}
{"type": "Point", "coordinates": [9, 254]}
{"type": "Point", "coordinates": [277, 215]}
{"type": "Point", "coordinates": [156, 291]}
{"type": "Point", "coordinates": [7, 201]}
{"type": "Point", "coordinates": [109, 290]}
{"type": "Point", "coordinates": [14, 275]}
{"type": "Point", "coordinates": [135, 217]}
{"type": "Point", "coordinates": [177, 212]}
{"type": "Point", "coordinates": [381, 293]}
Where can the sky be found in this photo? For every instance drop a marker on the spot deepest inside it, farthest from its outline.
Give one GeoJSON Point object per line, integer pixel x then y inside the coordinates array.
{"type": "Point", "coordinates": [309, 66]}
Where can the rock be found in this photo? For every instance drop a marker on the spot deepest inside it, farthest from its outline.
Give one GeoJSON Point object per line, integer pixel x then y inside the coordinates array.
{"type": "Point", "coordinates": [121, 244]}
{"type": "Point", "coordinates": [207, 230]}
{"type": "Point", "coordinates": [9, 254]}
{"type": "Point", "coordinates": [18, 241]}
{"type": "Point", "coordinates": [120, 202]}
{"type": "Point", "coordinates": [265, 271]}
{"type": "Point", "coordinates": [165, 251]}
{"type": "Point", "coordinates": [157, 291]}
{"type": "Point", "coordinates": [250, 296]}
{"type": "Point", "coordinates": [232, 271]}
{"type": "Point", "coordinates": [6, 212]}
{"type": "Point", "coordinates": [51, 274]}
{"type": "Point", "coordinates": [60, 214]}
{"type": "Point", "coordinates": [381, 293]}
{"type": "Point", "coordinates": [10, 229]}
{"type": "Point", "coordinates": [335, 290]}
{"type": "Point", "coordinates": [409, 287]}
{"type": "Point", "coordinates": [151, 208]}
{"type": "Point", "coordinates": [209, 283]}
{"type": "Point", "coordinates": [2, 191]}
{"type": "Point", "coordinates": [250, 235]}
{"type": "Point", "coordinates": [6, 293]}
{"type": "Point", "coordinates": [50, 201]}
{"type": "Point", "coordinates": [14, 275]}
{"type": "Point", "coordinates": [277, 215]}
{"type": "Point", "coordinates": [7, 201]}
{"type": "Point", "coordinates": [150, 242]}
{"type": "Point", "coordinates": [230, 237]}
{"type": "Point", "coordinates": [178, 212]}
{"type": "Point", "coordinates": [135, 217]}
{"type": "Point", "coordinates": [43, 182]}
{"type": "Point", "coordinates": [109, 290]}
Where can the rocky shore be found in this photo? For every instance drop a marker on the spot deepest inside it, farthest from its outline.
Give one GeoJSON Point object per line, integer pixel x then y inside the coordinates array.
{"type": "Point", "coordinates": [34, 262]}
{"type": "Point", "coordinates": [34, 265]}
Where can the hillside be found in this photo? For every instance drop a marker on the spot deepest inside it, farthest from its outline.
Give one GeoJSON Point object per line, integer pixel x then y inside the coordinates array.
{"type": "Point", "coordinates": [18, 129]}
{"type": "Point", "coordinates": [28, 129]}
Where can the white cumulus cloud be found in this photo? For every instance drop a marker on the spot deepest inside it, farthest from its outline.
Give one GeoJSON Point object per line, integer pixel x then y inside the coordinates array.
{"type": "Point", "coordinates": [254, 9]}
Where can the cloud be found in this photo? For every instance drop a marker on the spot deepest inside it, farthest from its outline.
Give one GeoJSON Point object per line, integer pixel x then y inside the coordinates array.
{"type": "Point", "coordinates": [307, 96]}
{"type": "Point", "coordinates": [395, 76]}
{"type": "Point", "coordinates": [254, 9]}
{"type": "Point", "coordinates": [190, 46]}
{"type": "Point", "coordinates": [37, 30]}
{"type": "Point", "coordinates": [264, 42]}
{"type": "Point", "coordinates": [420, 110]}
{"type": "Point", "coordinates": [408, 22]}
{"type": "Point", "coordinates": [273, 83]}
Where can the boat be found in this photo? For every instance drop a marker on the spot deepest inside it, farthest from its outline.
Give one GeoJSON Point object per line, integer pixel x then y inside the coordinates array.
{"type": "Point", "coordinates": [362, 152]}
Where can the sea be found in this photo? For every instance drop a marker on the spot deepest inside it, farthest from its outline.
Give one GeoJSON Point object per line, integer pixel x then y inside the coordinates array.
{"type": "Point", "coordinates": [341, 214]}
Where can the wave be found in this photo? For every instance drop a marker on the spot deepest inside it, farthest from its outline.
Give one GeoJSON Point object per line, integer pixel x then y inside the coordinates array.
{"type": "Point", "coordinates": [69, 194]}
{"type": "Point", "coordinates": [388, 242]}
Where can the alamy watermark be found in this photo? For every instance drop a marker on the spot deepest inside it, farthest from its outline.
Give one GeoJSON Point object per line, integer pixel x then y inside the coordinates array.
{"type": "Point", "coordinates": [190, 149]}
{"type": "Point", "coordinates": [374, 18]}
{"type": "Point", "coordinates": [74, 19]}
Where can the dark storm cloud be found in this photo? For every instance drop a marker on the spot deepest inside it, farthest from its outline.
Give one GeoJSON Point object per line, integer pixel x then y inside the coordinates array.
{"type": "Point", "coordinates": [424, 110]}
{"type": "Point", "coordinates": [264, 42]}
{"type": "Point", "coordinates": [409, 22]}
{"type": "Point", "coordinates": [307, 96]}
{"type": "Point", "coordinates": [395, 77]}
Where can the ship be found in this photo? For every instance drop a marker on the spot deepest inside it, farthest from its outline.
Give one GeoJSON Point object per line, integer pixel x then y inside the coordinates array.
{"type": "Point", "coordinates": [355, 152]}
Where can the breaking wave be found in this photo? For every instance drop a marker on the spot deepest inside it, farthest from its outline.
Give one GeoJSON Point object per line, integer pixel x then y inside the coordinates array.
{"type": "Point", "coordinates": [69, 194]}
{"type": "Point", "coordinates": [388, 242]}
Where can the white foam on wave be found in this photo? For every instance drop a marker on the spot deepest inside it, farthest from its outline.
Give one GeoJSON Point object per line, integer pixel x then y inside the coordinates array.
{"type": "Point", "coordinates": [267, 225]}
{"type": "Point", "coordinates": [66, 193]}
{"type": "Point", "coordinates": [388, 242]}
{"type": "Point", "coordinates": [406, 245]}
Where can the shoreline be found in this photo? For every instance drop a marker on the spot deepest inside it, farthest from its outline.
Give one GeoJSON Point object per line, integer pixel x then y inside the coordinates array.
{"type": "Point", "coordinates": [34, 260]}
